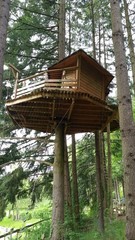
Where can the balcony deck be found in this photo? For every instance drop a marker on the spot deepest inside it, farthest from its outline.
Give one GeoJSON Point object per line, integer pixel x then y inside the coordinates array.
{"type": "Point", "coordinates": [41, 103]}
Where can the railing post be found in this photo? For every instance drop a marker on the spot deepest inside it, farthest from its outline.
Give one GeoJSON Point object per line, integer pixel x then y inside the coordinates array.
{"type": "Point", "coordinates": [15, 72]}
{"type": "Point", "coordinates": [16, 83]}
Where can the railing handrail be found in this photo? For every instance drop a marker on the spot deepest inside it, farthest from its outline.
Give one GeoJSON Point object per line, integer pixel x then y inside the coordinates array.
{"type": "Point", "coordinates": [44, 80]}
{"type": "Point", "coordinates": [46, 71]}
{"type": "Point", "coordinates": [50, 84]}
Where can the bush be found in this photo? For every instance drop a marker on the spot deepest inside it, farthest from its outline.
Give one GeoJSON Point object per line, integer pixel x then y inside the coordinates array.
{"type": "Point", "coordinates": [25, 216]}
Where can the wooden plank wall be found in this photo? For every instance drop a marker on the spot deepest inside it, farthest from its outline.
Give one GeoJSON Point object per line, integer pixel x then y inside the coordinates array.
{"type": "Point", "coordinates": [70, 76]}
{"type": "Point", "coordinates": [91, 81]}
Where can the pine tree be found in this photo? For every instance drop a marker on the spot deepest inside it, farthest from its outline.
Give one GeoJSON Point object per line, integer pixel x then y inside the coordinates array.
{"type": "Point", "coordinates": [127, 126]}
{"type": "Point", "coordinates": [4, 16]}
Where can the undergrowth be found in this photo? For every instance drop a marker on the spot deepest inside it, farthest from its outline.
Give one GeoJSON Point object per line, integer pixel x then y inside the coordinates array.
{"type": "Point", "coordinates": [113, 230]}
{"type": "Point", "coordinates": [86, 230]}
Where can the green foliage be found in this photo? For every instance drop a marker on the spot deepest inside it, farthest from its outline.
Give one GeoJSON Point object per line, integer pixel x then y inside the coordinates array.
{"type": "Point", "coordinates": [41, 211]}
{"type": "Point", "coordinates": [32, 35]}
{"type": "Point", "coordinates": [114, 230]}
{"type": "Point", "coordinates": [86, 170]}
{"type": "Point", "coordinates": [38, 232]}
{"type": "Point", "coordinates": [9, 152]}
{"type": "Point", "coordinates": [116, 154]}
{"type": "Point", "coordinates": [10, 223]}
{"type": "Point", "coordinates": [9, 187]}
{"type": "Point", "coordinates": [86, 230]}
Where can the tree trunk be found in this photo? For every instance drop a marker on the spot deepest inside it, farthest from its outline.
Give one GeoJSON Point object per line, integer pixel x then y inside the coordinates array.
{"type": "Point", "coordinates": [93, 29]}
{"type": "Point", "coordinates": [117, 194]}
{"type": "Point", "coordinates": [130, 42]}
{"type": "Point", "coordinates": [75, 184]}
{"type": "Point", "coordinates": [4, 17]}
{"type": "Point", "coordinates": [67, 185]}
{"type": "Point", "coordinates": [127, 126]}
{"type": "Point", "coordinates": [58, 168]}
{"type": "Point", "coordinates": [99, 165]}
{"type": "Point", "coordinates": [103, 169]}
{"type": "Point", "coordinates": [58, 185]}
{"type": "Point", "coordinates": [99, 183]}
{"type": "Point", "coordinates": [61, 29]}
{"type": "Point", "coordinates": [109, 172]}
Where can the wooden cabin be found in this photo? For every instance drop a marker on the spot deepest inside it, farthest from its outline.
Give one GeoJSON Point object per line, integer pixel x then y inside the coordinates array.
{"type": "Point", "coordinates": [83, 73]}
{"type": "Point", "coordinates": [72, 91]}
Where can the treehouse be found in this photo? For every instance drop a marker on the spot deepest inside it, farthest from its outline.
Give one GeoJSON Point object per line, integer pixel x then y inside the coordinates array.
{"type": "Point", "coordinates": [72, 91]}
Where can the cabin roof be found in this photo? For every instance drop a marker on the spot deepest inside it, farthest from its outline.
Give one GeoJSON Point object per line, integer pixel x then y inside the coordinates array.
{"type": "Point", "coordinates": [71, 61]}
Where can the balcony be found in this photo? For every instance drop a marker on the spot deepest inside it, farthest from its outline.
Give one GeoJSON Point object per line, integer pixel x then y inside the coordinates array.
{"type": "Point", "coordinates": [43, 81]}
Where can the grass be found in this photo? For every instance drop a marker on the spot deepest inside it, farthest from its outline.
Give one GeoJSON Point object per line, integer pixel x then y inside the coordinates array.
{"type": "Point", "coordinates": [113, 230]}
{"type": "Point", "coordinates": [88, 229]}
{"type": "Point", "coordinates": [42, 210]}
{"type": "Point", "coordinates": [10, 223]}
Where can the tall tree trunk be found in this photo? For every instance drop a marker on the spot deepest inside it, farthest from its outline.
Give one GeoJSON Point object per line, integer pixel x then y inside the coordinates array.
{"type": "Point", "coordinates": [99, 183]}
{"type": "Point", "coordinates": [103, 169]}
{"type": "Point", "coordinates": [69, 27]}
{"type": "Point", "coordinates": [67, 185]}
{"type": "Point", "coordinates": [58, 185]}
{"type": "Point", "coordinates": [130, 42]}
{"type": "Point", "coordinates": [93, 28]}
{"type": "Point", "coordinates": [127, 126]}
{"type": "Point", "coordinates": [61, 29]}
{"type": "Point", "coordinates": [58, 168]}
{"type": "Point", "coordinates": [109, 172]}
{"type": "Point", "coordinates": [99, 165]}
{"type": "Point", "coordinates": [99, 45]}
{"type": "Point", "coordinates": [75, 183]}
{"type": "Point", "coordinates": [4, 17]}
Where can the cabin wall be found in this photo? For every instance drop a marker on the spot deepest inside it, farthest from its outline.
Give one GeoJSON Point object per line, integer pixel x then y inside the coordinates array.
{"type": "Point", "coordinates": [70, 79]}
{"type": "Point", "coordinates": [91, 81]}
{"type": "Point", "coordinates": [69, 74]}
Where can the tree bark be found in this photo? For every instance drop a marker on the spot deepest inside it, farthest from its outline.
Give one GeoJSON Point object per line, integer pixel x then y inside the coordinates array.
{"type": "Point", "coordinates": [58, 186]}
{"type": "Point", "coordinates": [99, 183]}
{"type": "Point", "coordinates": [130, 42]}
{"type": "Point", "coordinates": [75, 183]}
{"type": "Point", "coordinates": [109, 172]}
{"type": "Point", "coordinates": [4, 17]}
{"type": "Point", "coordinates": [58, 168]}
{"type": "Point", "coordinates": [61, 29]}
{"type": "Point", "coordinates": [67, 185]}
{"type": "Point", "coordinates": [127, 126]}
{"type": "Point", "coordinates": [93, 28]}
{"type": "Point", "coordinates": [103, 169]}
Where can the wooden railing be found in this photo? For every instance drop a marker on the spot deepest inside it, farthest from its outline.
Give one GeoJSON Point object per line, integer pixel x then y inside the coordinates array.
{"type": "Point", "coordinates": [42, 80]}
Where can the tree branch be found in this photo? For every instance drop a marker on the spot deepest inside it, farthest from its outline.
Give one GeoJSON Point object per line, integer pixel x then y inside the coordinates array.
{"type": "Point", "coordinates": [26, 161]}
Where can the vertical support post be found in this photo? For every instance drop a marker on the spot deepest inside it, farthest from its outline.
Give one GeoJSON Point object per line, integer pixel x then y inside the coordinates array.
{"type": "Point", "coordinates": [16, 83]}
{"type": "Point", "coordinates": [109, 172]}
{"type": "Point", "coordinates": [15, 72]}
{"type": "Point", "coordinates": [78, 72]}
{"type": "Point", "coordinates": [58, 186]}
{"type": "Point", "coordinates": [99, 183]}
{"type": "Point", "coordinates": [75, 183]}
{"type": "Point", "coordinates": [67, 185]}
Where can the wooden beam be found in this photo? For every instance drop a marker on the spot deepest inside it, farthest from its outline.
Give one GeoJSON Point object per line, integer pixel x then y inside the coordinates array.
{"type": "Point", "coordinates": [53, 109]}
{"type": "Point", "coordinates": [71, 108]}
{"type": "Point", "coordinates": [114, 116]}
{"type": "Point", "coordinates": [96, 102]}
{"type": "Point", "coordinates": [13, 67]}
{"type": "Point", "coordinates": [47, 71]}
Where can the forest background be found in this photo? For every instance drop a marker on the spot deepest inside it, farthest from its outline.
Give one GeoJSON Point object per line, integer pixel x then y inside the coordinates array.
{"type": "Point", "coordinates": [32, 46]}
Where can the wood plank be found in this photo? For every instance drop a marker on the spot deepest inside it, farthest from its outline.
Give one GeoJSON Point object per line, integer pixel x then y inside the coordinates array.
{"type": "Point", "coordinates": [46, 72]}
{"type": "Point", "coordinates": [45, 84]}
